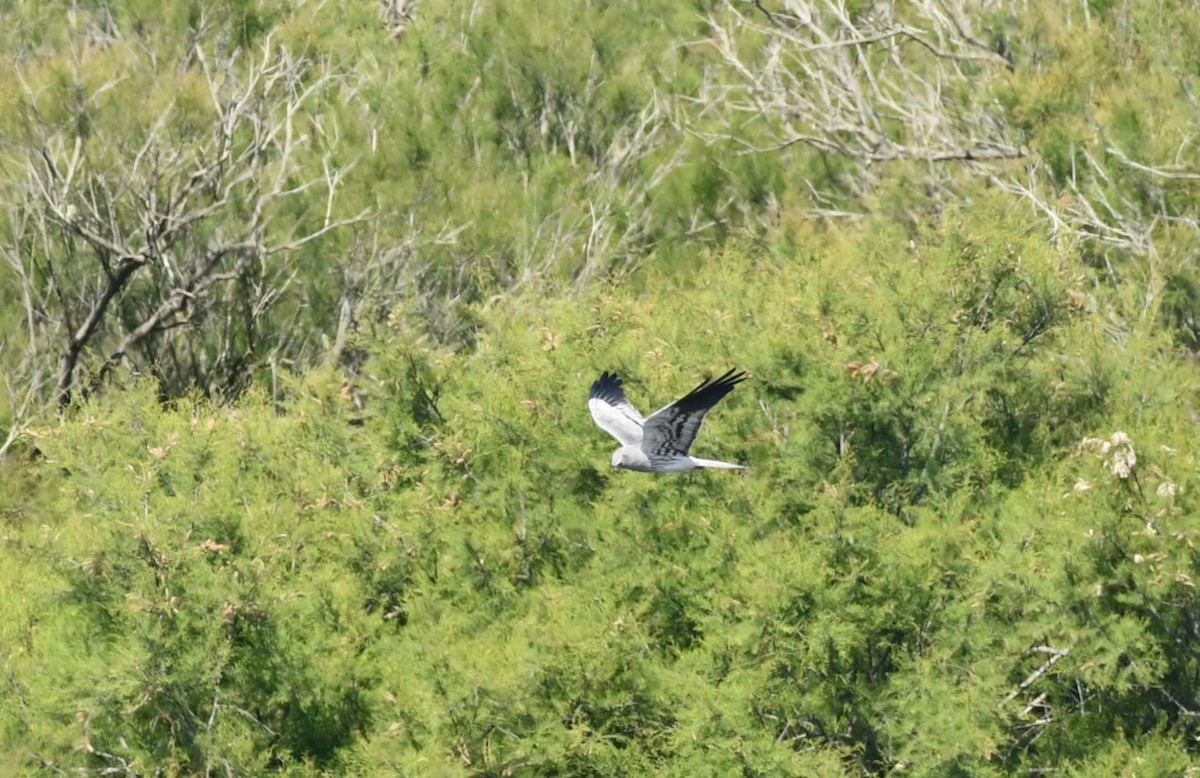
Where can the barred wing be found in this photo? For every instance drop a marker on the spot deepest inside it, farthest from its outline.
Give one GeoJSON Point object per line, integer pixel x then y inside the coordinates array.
{"type": "Point", "coordinates": [670, 431]}
{"type": "Point", "coordinates": [612, 411]}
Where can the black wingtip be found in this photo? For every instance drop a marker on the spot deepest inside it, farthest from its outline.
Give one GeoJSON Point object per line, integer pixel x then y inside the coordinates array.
{"type": "Point", "coordinates": [729, 378]}
{"type": "Point", "coordinates": [608, 388]}
{"type": "Point", "coordinates": [733, 377]}
{"type": "Point", "coordinates": [711, 390]}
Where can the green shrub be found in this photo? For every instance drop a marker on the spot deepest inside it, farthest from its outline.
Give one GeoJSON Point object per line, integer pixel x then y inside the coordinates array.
{"type": "Point", "coordinates": [943, 558]}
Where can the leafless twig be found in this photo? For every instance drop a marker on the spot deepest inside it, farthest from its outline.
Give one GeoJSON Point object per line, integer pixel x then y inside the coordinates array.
{"type": "Point", "coordinates": [168, 248]}
{"type": "Point", "coordinates": [867, 87]}
{"type": "Point", "coordinates": [1055, 654]}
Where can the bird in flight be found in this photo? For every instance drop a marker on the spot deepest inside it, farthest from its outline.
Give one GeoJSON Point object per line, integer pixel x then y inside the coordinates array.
{"type": "Point", "coordinates": [660, 443]}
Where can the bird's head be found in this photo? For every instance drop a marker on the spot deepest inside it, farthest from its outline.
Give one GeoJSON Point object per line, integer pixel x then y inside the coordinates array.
{"type": "Point", "coordinates": [618, 459]}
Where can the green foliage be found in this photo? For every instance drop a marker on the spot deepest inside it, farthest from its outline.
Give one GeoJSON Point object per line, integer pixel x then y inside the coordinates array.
{"type": "Point", "coordinates": [503, 146]}
{"type": "Point", "coordinates": [490, 146]}
{"type": "Point", "coordinates": [966, 543]}
{"type": "Point", "coordinates": [944, 559]}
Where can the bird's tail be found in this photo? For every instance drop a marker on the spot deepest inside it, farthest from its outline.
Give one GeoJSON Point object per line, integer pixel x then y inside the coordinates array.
{"type": "Point", "coordinates": [718, 465]}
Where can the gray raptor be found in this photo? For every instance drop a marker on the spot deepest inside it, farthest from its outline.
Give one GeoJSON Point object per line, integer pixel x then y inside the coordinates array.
{"type": "Point", "coordinates": [660, 443]}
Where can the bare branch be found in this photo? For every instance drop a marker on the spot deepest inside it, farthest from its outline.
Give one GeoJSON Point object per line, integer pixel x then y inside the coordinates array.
{"type": "Point", "coordinates": [868, 87]}
{"type": "Point", "coordinates": [1055, 654]}
{"type": "Point", "coordinates": [171, 232]}
{"type": "Point", "coordinates": [1173, 172]}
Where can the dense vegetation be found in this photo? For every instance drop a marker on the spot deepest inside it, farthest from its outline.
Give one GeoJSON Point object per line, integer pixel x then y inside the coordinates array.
{"type": "Point", "coordinates": [300, 302]}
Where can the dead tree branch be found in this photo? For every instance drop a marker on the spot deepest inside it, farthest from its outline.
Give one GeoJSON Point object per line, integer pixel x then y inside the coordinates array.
{"type": "Point", "coordinates": [1053, 656]}
{"type": "Point", "coordinates": [172, 243]}
{"type": "Point", "coordinates": [870, 87]}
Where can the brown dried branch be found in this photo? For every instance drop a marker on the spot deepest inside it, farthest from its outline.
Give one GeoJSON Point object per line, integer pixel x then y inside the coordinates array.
{"type": "Point", "coordinates": [868, 87]}
{"type": "Point", "coordinates": [173, 231]}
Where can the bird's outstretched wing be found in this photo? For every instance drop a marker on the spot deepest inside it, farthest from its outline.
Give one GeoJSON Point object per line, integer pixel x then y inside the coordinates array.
{"type": "Point", "coordinates": [612, 411]}
{"type": "Point", "coordinates": [670, 431]}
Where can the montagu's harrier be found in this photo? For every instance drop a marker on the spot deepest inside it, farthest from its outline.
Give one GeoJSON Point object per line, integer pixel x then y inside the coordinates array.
{"type": "Point", "coordinates": [660, 443]}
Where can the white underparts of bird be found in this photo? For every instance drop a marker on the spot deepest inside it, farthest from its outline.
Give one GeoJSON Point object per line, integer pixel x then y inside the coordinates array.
{"type": "Point", "coordinates": [660, 443]}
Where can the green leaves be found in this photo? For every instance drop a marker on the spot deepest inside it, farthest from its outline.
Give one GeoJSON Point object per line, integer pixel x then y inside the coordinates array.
{"type": "Point", "coordinates": [963, 544]}
{"type": "Point", "coordinates": [966, 543]}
